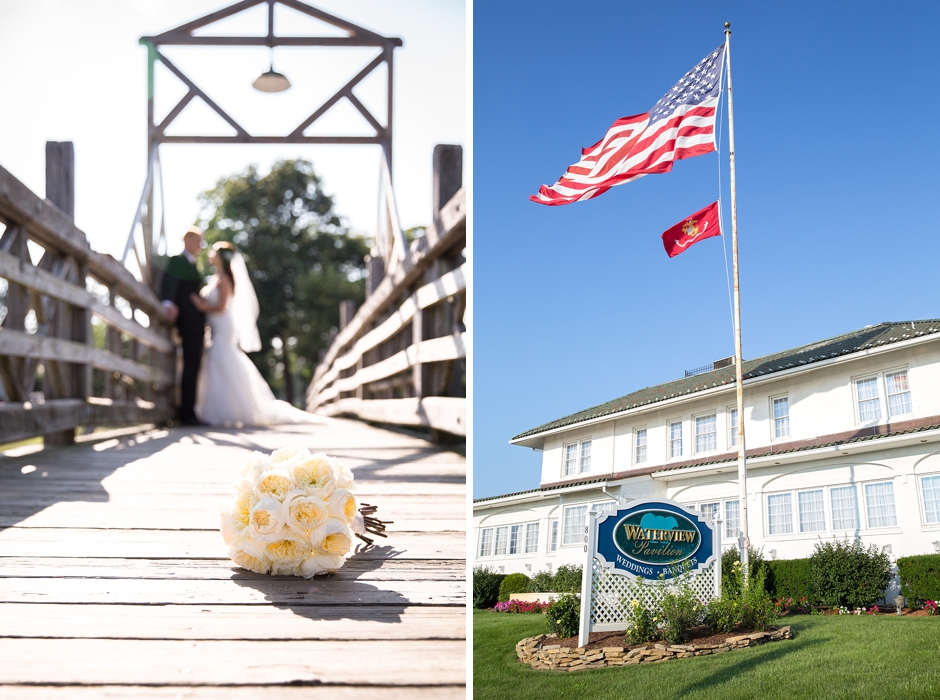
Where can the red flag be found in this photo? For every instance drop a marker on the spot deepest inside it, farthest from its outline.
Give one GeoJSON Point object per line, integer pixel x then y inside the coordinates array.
{"type": "Point", "coordinates": [702, 224]}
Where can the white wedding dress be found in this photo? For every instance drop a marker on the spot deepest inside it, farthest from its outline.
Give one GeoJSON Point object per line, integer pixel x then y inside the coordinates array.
{"type": "Point", "coordinates": [231, 391]}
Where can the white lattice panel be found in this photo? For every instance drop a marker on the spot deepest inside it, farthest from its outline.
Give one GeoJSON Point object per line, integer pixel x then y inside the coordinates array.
{"type": "Point", "coordinates": [609, 589]}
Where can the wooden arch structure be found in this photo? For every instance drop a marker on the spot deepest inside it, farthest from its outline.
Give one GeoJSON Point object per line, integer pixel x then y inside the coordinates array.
{"type": "Point", "coordinates": [390, 246]}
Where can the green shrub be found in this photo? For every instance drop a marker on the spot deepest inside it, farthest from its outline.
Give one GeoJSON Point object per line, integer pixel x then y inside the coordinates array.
{"type": "Point", "coordinates": [788, 578]}
{"type": "Point", "coordinates": [681, 610]}
{"type": "Point", "coordinates": [567, 579]}
{"type": "Point", "coordinates": [542, 581]}
{"type": "Point", "coordinates": [512, 584]}
{"type": "Point", "coordinates": [920, 578]}
{"type": "Point", "coordinates": [486, 587]}
{"type": "Point", "coordinates": [757, 607]}
{"type": "Point", "coordinates": [847, 573]}
{"type": "Point", "coordinates": [643, 622]}
{"type": "Point", "coordinates": [729, 557]}
{"type": "Point", "coordinates": [564, 617]}
{"type": "Point", "coordinates": [745, 604]}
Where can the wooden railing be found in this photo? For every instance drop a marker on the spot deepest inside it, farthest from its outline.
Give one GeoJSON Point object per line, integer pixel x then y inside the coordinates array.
{"type": "Point", "coordinates": [82, 342]}
{"type": "Point", "coordinates": [402, 358]}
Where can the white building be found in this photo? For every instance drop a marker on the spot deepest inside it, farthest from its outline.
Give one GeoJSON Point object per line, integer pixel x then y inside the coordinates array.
{"type": "Point", "coordinates": [843, 440]}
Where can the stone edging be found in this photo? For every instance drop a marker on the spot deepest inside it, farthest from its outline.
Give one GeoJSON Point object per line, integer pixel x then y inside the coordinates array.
{"type": "Point", "coordinates": [553, 657]}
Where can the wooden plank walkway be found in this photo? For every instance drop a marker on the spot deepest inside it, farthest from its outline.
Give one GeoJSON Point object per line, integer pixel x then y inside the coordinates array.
{"type": "Point", "coordinates": [114, 580]}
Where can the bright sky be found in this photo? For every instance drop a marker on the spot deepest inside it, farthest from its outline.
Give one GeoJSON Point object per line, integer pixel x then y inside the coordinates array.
{"type": "Point", "coordinates": [74, 71]}
{"type": "Point", "coordinates": [837, 198]}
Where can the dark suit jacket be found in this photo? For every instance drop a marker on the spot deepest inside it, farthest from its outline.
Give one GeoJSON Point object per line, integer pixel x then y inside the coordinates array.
{"type": "Point", "coordinates": [181, 279]}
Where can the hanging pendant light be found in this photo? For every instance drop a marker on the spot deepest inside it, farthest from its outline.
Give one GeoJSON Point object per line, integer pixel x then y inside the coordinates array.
{"type": "Point", "coordinates": [271, 80]}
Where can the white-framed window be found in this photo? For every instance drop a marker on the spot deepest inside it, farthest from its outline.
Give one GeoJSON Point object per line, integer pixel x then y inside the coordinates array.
{"type": "Point", "coordinates": [486, 542]}
{"type": "Point", "coordinates": [781, 411]}
{"type": "Point", "coordinates": [779, 514]}
{"type": "Point", "coordinates": [640, 454]}
{"type": "Point", "coordinates": [879, 502]}
{"type": "Point", "coordinates": [930, 489]}
{"type": "Point", "coordinates": [515, 536]}
{"type": "Point", "coordinates": [531, 538]}
{"type": "Point", "coordinates": [844, 503]}
{"type": "Point", "coordinates": [585, 464]}
{"type": "Point", "coordinates": [502, 539]}
{"type": "Point", "coordinates": [812, 510]}
{"type": "Point", "coordinates": [867, 400]}
{"type": "Point", "coordinates": [571, 459]}
{"type": "Point", "coordinates": [578, 458]}
{"type": "Point", "coordinates": [706, 433]}
{"type": "Point", "coordinates": [709, 510]}
{"type": "Point", "coordinates": [575, 519]}
{"type": "Point", "coordinates": [553, 535]}
{"type": "Point", "coordinates": [733, 427]}
{"type": "Point", "coordinates": [732, 518]}
{"type": "Point", "coordinates": [899, 393]}
{"type": "Point", "coordinates": [675, 439]}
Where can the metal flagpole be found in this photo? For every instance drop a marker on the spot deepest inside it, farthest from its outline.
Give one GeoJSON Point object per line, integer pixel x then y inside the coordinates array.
{"type": "Point", "coordinates": [739, 383]}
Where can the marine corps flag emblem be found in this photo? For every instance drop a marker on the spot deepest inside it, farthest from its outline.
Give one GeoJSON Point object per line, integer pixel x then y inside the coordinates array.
{"type": "Point", "coordinates": [702, 224]}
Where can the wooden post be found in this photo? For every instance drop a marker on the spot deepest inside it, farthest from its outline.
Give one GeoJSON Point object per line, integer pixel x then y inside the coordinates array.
{"type": "Point", "coordinates": [69, 322]}
{"type": "Point", "coordinates": [448, 174]}
{"type": "Point", "coordinates": [347, 310]}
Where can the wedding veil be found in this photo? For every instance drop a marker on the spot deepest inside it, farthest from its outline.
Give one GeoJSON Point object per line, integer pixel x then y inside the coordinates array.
{"type": "Point", "coordinates": [244, 306]}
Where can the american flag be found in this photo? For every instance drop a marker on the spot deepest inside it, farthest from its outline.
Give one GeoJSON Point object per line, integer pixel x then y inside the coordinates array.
{"type": "Point", "coordinates": [680, 125]}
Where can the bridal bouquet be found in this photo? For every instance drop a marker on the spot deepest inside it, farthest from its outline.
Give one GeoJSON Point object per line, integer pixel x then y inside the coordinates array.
{"type": "Point", "coordinates": [295, 513]}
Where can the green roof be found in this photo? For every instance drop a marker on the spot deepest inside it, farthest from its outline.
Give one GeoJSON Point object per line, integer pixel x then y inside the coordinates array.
{"type": "Point", "coordinates": [846, 344]}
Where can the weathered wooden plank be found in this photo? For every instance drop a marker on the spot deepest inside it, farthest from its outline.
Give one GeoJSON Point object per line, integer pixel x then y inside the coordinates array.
{"type": "Point", "coordinates": [20, 421]}
{"type": "Point", "coordinates": [374, 663]}
{"type": "Point", "coordinates": [216, 569]}
{"type": "Point", "coordinates": [273, 590]}
{"type": "Point", "coordinates": [193, 544]}
{"type": "Point", "coordinates": [24, 273]}
{"type": "Point", "coordinates": [438, 412]}
{"type": "Point", "coordinates": [148, 336]}
{"type": "Point", "coordinates": [105, 516]}
{"type": "Point", "coordinates": [18, 344]}
{"type": "Point", "coordinates": [230, 622]}
{"type": "Point", "coordinates": [137, 692]}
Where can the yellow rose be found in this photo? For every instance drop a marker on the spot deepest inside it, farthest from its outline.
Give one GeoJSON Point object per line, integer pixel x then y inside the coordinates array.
{"type": "Point", "coordinates": [276, 484]}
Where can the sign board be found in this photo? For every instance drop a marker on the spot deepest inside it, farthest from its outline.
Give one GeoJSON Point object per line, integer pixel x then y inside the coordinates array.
{"type": "Point", "coordinates": [650, 539]}
{"type": "Point", "coordinates": [653, 539]}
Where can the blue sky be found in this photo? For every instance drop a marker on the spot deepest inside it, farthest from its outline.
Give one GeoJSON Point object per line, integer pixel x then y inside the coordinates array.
{"type": "Point", "coordinates": [837, 198]}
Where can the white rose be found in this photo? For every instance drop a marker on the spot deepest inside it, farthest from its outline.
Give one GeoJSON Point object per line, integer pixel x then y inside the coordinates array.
{"type": "Point", "coordinates": [275, 483]}
{"type": "Point", "coordinates": [342, 505]}
{"type": "Point", "coordinates": [252, 470]}
{"type": "Point", "coordinates": [344, 477]}
{"type": "Point", "coordinates": [266, 519]}
{"type": "Point", "coordinates": [286, 456]}
{"type": "Point", "coordinates": [332, 538]}
{"type": "Point", "coordinates": [320, 564]}
{"type": "Point", "coordinates": [287, 551]}
{"type": "Point", "coordinates": [305, 512]}
{"type": "Point", "coordinates": [315, 474]}
{"type": "Point", "coordinates": [260, 565]}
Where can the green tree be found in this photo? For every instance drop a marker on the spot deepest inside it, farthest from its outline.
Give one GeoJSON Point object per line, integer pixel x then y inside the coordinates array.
{"type": "Point", "coordinates": [302, 259]}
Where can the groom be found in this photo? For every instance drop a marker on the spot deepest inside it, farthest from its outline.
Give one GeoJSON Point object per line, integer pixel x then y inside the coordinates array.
{"type": "Point", "coordinates": [181, 279]}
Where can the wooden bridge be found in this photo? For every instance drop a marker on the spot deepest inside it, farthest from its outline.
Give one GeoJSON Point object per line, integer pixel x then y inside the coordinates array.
{"type": "Point", "coordinates": [114, 579]}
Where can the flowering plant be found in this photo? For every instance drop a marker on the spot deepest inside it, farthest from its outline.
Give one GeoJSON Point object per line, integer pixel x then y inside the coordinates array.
{"type": "Point", "coordinates": [295, 513]}
{"type": "Point", "coordinates": [873, 610]}
{"type": "Point", "coordinates": [522, 606]}
{"type": "Point", "coordinates": [931, 607]}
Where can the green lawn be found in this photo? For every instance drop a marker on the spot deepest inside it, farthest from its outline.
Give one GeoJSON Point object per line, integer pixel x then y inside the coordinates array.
{"type": "Point", "coordinates": [829, 657]}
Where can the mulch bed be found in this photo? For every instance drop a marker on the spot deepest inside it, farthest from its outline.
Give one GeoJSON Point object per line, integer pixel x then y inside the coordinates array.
{"type": "Point", "coordinates": [598, 640]}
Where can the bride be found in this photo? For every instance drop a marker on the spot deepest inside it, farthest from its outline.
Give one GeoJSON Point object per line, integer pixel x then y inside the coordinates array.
{"type": "Point", "coordinates": [231, 390]}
